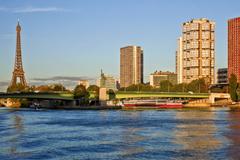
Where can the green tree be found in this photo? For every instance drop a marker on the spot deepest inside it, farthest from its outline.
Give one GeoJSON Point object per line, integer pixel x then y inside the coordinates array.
{"type": "Point", "coordinates": [233, 85]}
{"type": "Point", "coordinates": [57, 87]}
{"type": "Point", "coordinates": [94, 89]}
{"type": "Point", "coordinates": [132, 87]}
{"type": "Point", "coordinates": [198, 86]}
{"type": "Point", "coordinates": [165, 86]}
{"type": "Point", "coordinates": [80, 92]}
{"type": "Point", "coordinates": [145, 87]}
{"type": "Point", "coordinates": [179, 87]}
{"type": "Point", "coordinates": [112, 94]}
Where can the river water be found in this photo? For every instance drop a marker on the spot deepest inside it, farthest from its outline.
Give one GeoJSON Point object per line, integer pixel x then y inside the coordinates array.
{"type": "Point", "coordinates": [113, 135]}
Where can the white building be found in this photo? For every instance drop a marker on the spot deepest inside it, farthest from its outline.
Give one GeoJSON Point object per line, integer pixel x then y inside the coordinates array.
{"type": "Point", "coordinates": [179, 61]}
{"type": "Point", "coordinates": [198, 42]}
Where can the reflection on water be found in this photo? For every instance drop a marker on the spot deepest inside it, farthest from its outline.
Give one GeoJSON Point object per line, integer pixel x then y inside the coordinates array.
{"type": "Point", "coordinates": [234, 135]}
{"type": "Point", "coordinates": [167, 134]}
{"type": "Point", "coordinates": [197, 133]}
{"type": "Point", "coordinates": [17, 126]}
{"type": "Point", "coordinates": [130, 136]}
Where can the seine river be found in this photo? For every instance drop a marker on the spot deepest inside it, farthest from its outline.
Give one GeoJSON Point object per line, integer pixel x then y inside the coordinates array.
{"type": "Point", "coordinates": [113, 135]}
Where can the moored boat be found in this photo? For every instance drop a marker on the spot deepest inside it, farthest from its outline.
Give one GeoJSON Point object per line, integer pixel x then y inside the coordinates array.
{"type": "Point", "coordinates": [151, 104]}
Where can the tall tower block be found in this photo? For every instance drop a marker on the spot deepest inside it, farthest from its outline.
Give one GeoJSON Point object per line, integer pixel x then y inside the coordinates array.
{"type": "Point", "coordinates": [234, 47]}
{"type": "Point", "coordinates": [18, 73]}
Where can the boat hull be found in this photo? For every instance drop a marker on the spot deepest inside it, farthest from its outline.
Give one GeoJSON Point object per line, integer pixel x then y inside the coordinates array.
{"type": "Point", "coordinates": [153, 106]}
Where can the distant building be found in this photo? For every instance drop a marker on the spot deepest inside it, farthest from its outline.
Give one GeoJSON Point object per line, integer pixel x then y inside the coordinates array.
{"type": "Point", "coordinates": [131, 65]}
{"type": "Point", "coordinates": [234, 47]}
{"type": "Point", "coordinates": [179, 61]}
{"type": "Point", "coordinates": [157, 77]}
{"type": "Point", "coordinates": [85, 83]}
{"type": "Point", "coordinates": [222, 75]}
{"type": "Point", "coordinates": [198, 40]}
{"type": "Point", "coordinates": [106, 81]}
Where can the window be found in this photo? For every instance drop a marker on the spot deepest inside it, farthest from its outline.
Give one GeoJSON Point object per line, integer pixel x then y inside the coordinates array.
{"type": "Point", "coordinates": [205, 53]}
{"type": "Point", "coordinates": [205, 62]}
{"type": "Point", "coordinates": [194, 35]}
{"type": "Point", "coordinates": [194, 44]}
{"type": "Point", "coordinates": [194, 53]}
{"type": "Point", "coordinates": [194, 26]}
{"type": "Point", "coordinates": [205, 26]}
{"type": "Point", "coordinates": [212, 45]}
{"type": "Point", "coordinates": [205, 71]}
{"type": "Point", "coordinates": [188, 64]}
{"type": "Point", "coordinates": [205, 44]}
{"type": "Point", "coordinates": [212, 62]}
{"type": "Point", "coordinates": [212, 35]}
{"type": "Point", "coordinates": [184, 37]}
{"type": "Point", "coordinates": [206, 35]}
{"type": "Point", "coordinates": [185, 63]}
{"type": "Point", "coordinates": [212, 27]}
{"type": "Point", "coordinates": [212, 53]}
{"type": "Point", "coordinates": [194, 63]}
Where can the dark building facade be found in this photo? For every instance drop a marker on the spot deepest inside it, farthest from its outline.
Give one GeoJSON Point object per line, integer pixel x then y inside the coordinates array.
{"type": "Point", "coordinates": [131, 65]}
{"type": "Point", "coordinates": [222, 75]}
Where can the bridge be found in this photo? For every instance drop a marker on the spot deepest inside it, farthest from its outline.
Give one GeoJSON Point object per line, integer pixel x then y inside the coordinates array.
{"type": "Point", "coordinates": [208, 97]}
{"type": "Point", "coordinates": [128, 94]}
{"type": "Point", "coordinates": [33, 95]}
{"type": "Point", "coordinates": [118, 95]}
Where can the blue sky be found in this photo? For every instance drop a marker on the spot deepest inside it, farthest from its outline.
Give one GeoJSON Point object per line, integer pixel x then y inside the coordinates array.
{"type": "Point", "coordinates": [80, 37]}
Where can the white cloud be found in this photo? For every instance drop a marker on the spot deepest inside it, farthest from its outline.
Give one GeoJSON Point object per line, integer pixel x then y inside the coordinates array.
{"type": "Point", "coordinates": [31, 9]}
{"type": "Point", "coordinates": [36, 9]}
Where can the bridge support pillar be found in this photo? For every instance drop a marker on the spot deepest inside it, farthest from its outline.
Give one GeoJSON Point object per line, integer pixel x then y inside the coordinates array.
{"type": "Point", "coordinates": [212, 99]}
{"type": "Point", "coordinates": [103, 96]}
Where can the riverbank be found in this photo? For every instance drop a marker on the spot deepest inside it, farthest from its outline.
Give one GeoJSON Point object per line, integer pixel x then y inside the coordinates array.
{"type": "Point", "coordinates": [196, 107]}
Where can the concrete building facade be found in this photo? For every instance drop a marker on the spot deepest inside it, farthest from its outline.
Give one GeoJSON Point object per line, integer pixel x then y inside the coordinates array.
{"type": "Point", "coordinates": [158, 76]}
{"type": "Point", "coordinates": [198, 42]}
{"type": "Point", "coordinates": [234, 47]}
{"type": "Point", "coordinates": [106, 81]}
{"type": "Point", "coordinates": [131, 66]}
{"type": "Point", "coordinates": [179, 61]}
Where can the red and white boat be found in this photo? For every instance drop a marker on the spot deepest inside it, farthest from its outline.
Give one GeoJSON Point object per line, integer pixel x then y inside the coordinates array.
{"type": "Point", "coordinates": [151, 104]}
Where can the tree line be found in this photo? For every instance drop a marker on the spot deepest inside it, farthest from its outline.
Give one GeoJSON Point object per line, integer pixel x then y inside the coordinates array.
{"type": "Point", "coordinates": [81, 92]}
{"type": "Point", "coordinates": [196, 86]}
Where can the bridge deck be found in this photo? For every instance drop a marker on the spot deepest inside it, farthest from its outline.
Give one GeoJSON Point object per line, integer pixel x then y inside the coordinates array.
{"type": "Point", "coordinates": [56, 96]}
{"type": "Point", "coordinates": [119, 95]}
{"type": "Point", "coordinates": [123, 94]}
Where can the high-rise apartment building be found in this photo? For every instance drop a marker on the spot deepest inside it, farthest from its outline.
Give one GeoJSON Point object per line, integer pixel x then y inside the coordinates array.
{"type": "Point", "coordinates": [131, 65]}
{"type": "Point", "coordinates": [198, 40]}
{"type": "Point", "coordinates": [179, 61]}
{"type": "Point", "coordinates": [234, 47]}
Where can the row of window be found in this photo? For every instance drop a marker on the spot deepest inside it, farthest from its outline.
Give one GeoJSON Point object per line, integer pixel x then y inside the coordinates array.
{"type": "Point", "coordinates": [195, 35]}
{"type": "Point", "coordinates": [195, 63]}
{"type": "Point", "coordinates": [195, 54]}
{"type": "Point", "coordinates": [195, 45]}
{"type": "Point", "coordinates": [195, 72]}
{"type": "Point", "coordinates": [196, 26]}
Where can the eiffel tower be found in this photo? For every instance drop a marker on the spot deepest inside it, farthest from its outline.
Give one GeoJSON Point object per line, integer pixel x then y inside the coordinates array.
{"type": "Point", "coordinates": [18, 72]}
